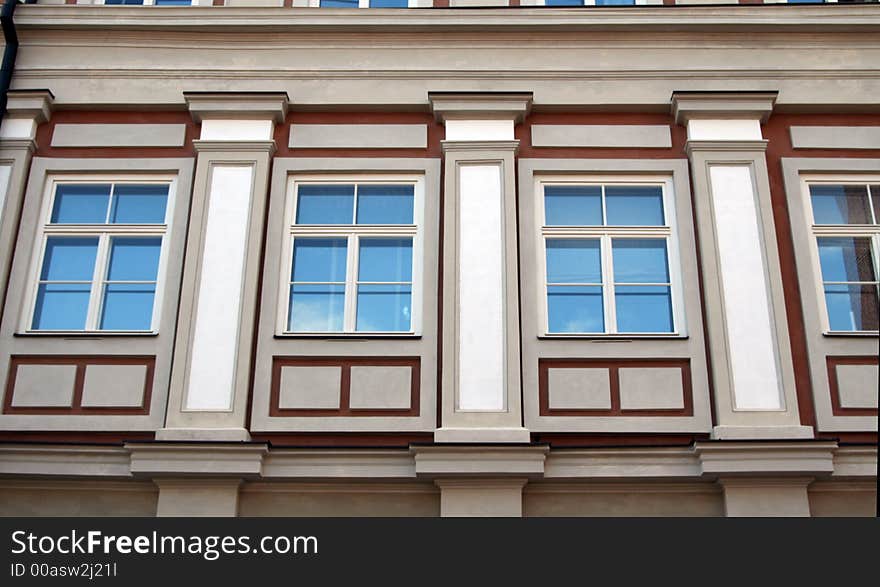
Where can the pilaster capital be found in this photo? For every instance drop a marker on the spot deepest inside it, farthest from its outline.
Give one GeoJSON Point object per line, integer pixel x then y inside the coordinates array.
{"type": "Point", "coordinates": [687, 106]}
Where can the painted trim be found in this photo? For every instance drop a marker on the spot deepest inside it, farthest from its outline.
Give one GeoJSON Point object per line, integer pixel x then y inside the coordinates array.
{"type": "Point", "coordinates": [119, 135]}
{"type": "Point", "coordinates": [833, 384]}
{"type": "Point", "coordinates": [602, 136]}
{"type": "Point", "coordinates": [614, 366]}
{"type": "Point", "coordinates": [81, 362]}
{"type": "Point", "coordinates": [835, 137]}
{"type": "Point", "coordinates": [358, 136]}
{"type": "Point", "coordinates": [345, 363]}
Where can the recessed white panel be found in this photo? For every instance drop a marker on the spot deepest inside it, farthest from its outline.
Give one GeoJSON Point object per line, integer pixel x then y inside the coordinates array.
{"type": "Point", "coordinates": [215, 339]}
{"type": "Point", "coordinates": [481, 381]}
{"type": "Point", "coordinates": [745, 292]}
{"type": "Point", "coordinates": [724, 130]}
{"type": "Point", "coordinates": [479, 130]}
{"type": "Point", "coordinates": [237, 130]}
{"type": "Point", "coordinates": [5, 172]}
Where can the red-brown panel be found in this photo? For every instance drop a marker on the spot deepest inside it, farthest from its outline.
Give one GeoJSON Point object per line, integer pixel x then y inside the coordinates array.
{"type": "Point", "coordinates": [345, 363]}
{"type": "Point", "coordinates": [834, 385]}
{"type": "Point", "coordinates": [81, 362]}
{"type": "Point", "coordinates": [436, 133]}
{"type": "Point", "coordinates": [45, 131]}
{"type": "Point", "coordinates": [614, 366]}
{"type": "Point", "coordinates": [777, 132]}
{"type": "Point", "coordinates": [523, 133]}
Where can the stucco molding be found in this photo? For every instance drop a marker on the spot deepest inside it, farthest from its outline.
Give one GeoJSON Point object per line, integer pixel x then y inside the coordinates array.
{"type": "Point", "coordinates": [688, 106]}
{"type": "Point", "coordinates": [837, 17]}
{"type": "Point", "coordinates": [472, 461]}
{"type": "Point", "coordinates": [480, 105]}
{"type": "Point", "coordinates": [237, 105]}
{"type": "Point", "coordinates": [622, 463]}
{"type": "Point", "coordinates": [36, 104]}
{"type": "Point", "coordinates": [765, 458]}
{"type": "Point", "coordinates": [73, 461]}
{"type": "Point", "coordinates": [196, 460]}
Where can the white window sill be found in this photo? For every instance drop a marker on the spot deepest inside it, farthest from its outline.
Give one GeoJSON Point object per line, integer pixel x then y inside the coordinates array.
{"type": "Point", "coordinates": [612, 337]}
{"type": "Point", "coordinates": [87, 334]}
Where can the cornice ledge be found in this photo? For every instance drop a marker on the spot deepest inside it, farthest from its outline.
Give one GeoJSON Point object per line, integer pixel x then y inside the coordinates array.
{"type": "Point", "coordinates": [233, 146]}
{"type": "Point", "coordinates": [839, 17]}
{"type": "Point", "coordinates": [766, 458]}
{"type": "Point", "coordinates": [479, 145]}
{"type": "Point", "coordinates": [196, 460]}
{"type": "Point", "coordinates": [622, 463]}
{"type": "Point", "coordinates": [478, 461]}
{"type": "Point", "coordinates": [237, 105]}
{"type": "Point", "coordinates": [758, 145]}
{"type": "Point", "coordinates": [306, 464]}
{"type": "Point", "coordinates": [855, 461]}
{"type": "Point", "coordinates": [64, 461]}
{"type": "Point", "coordinates": [29, 145]}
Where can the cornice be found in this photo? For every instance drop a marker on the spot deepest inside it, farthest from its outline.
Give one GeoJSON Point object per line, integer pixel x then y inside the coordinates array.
{"type": "Point", "coordinates": [751, 146]}
{"type": "Point", "coordinates": [234, 146]}
{"type": "Point", "coordinates": [479, 145]}
{"type": "Point", "coordinates": [835, 17]}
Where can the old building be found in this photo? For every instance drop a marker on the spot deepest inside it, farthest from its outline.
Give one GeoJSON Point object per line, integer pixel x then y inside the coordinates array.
{"type": "Point", "coordinates": [449, 257]}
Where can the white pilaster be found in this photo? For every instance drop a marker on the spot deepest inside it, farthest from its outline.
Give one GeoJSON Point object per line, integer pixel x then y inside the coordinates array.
{"type": "Point", "coordinates": [481, 396]}
{"type": "Point", "coordinates": [208, 398]}
{"type": "Point", "coordinates": [753, 373]}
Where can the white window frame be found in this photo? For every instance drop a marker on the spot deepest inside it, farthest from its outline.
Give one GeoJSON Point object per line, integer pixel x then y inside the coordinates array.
{"type": "Point", "coordinates": [871, 231]}
{"type": "Point", "coordinates": [587, 3]}
{"type": "Point", "coordinates": [366, 4]}
{"type": "Point", "coordinates": [104, 232]}
{"type": "Point", "coordinates": [669, 232]}
{"type": "Point", "coordinates": [353, 232]}
{"type": "Point", "coordinates": [153, 3]}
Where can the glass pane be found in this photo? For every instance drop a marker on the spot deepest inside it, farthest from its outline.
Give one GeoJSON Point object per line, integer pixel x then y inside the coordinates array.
{"type": "Point", "coordinates": [384, 308]}
{"type": "Point", "coordinates": [573, 205]}
{"type": "Point", "coordinates": [134, 259]}
{"type": "Point", "coordinates": [640, 260]}
{"type": "Point", "coordinates": [564, 2]}
{"type": "Point", "coordinates": [69, 258]}
{"type": "Point", "coordinates": [573, 260]}
{"type": "Point", "coordinates": [139, 204]}
{"type": "Point", "coordinates": [385, 204]}
{"type": "Point", "coordinates": [81, 204]}
{"type": "Point", "coordinates": [173, 2]}
{"type": "Point", "coordinates": [325, 204]}
{"type": "Point", "coordinates": [128, 306]}
{"type": "Point", "coordinates": [62, 306]}
{"type": "Point", "coordinates": [385, 259]}
{"type": "Point", "coordinates": [875, 197]}
{"type": "Point", "coordinates": [615, 2]}
{"type": "Point", "coordinates": [643, 309]}
{"type": "Point", "coordinates": [319, 259]}
{"type": "Point", "coordinates": [128, 2]}
{"type": "Point", "coordinates": [339, 3]}
{"type": "Point", "coordinates": [852, 307]}
{"type": "Point", "coordinates": [840, 204]}
{"type": "Point", "coordinates": [388, 3]}
{"type": "Point", "coordinates": [575, 309]}
{"type": "Point", "coordinates": [316, 308]}
{"type": "Point", "coordinates": [846, 259]}
{"type": "Point", "coordinates": [634, 205]}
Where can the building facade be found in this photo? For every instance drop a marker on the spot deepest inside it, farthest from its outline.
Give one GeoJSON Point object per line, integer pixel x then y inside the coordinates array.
{"type": "Point", "coordinates": [460, 257]}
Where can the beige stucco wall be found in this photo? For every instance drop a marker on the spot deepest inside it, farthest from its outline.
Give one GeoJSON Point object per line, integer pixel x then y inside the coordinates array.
{"type": "Point", "coordinates": [343, 499]}
{"type": "Point", "coordinates": [77, 498]}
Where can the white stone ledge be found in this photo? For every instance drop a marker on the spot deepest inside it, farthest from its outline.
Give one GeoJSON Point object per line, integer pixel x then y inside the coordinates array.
{"type": "Point", "coordinates": [705, 460]}
{"type": "Point", "coordinates": [845, 17]}
{"type": "Point", "coordinates": [622, 463]}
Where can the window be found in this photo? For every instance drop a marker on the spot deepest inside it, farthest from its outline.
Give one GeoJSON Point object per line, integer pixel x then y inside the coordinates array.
{"type": "Point", "coordinates": [353, 256]}
{"type": "Point", "coordinates": [151, 2]}
{"type": "Point", "coordinates": [101, 255]}
{"type": "Point", "coordinates": [846, 226]}
{"type": "Point", "coordinates": [590, 2]}
{"type": "Point", "coordinates": [610, 257]}
{"type": "Point", "coordinates": [364, 3]}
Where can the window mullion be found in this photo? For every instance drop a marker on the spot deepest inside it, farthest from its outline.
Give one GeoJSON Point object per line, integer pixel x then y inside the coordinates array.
{"type": "Point", "coordinates": [608, 285]}
{"type": "Point", "coordinates": [98, 276]}
{"type": "Point", "coordinates": [351, 283]}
